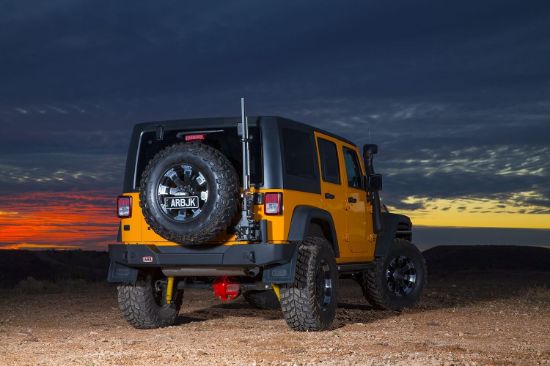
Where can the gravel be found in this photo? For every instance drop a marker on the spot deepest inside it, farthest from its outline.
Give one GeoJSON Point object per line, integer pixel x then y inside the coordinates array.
{"type": "Point", "coordinates": [464, 318]}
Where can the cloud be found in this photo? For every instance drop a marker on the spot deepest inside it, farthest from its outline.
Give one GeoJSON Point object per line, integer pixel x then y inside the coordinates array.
{"type": "Point", "coordinates": [60, 172]}
{"type": "Point", "coordinates": [456, 95]}
{"type": "Point", "coordinates": [57, 109]}
{"type": "Point", "coordinates": [509, 212]}
{"type": "Point", "coordinates": [449, 150]}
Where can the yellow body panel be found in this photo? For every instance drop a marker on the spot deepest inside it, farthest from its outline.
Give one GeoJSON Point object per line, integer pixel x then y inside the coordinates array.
{"type": "Point", "coordinates": [353, 221]}
{"type": "Point", "coordinates": [359, 213]}
{"type": "Point", "coordinates": [277, 229]}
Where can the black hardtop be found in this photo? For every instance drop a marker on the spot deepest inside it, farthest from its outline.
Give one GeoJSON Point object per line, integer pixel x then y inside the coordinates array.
{"type": "Point", "coordinates": [272, 148]}
{"type": "Point", "coordinates": [205, 123]}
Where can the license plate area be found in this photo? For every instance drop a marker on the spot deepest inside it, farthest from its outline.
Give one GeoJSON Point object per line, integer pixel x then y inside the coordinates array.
{"type": "Point", "coordinates": [179, 203]}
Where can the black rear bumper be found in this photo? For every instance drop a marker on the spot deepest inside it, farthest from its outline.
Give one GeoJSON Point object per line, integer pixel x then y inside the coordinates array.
{"type": "Point", "coordinates": [276, 260]}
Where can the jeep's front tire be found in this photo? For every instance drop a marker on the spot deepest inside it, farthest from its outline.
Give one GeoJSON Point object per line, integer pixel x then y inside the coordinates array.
{"type": "Point", "coordinates": [309, 303]}
{"type": "Point", "coordinates": [144, 306]}
{"type": "Point", "coordinates": [397, 279]}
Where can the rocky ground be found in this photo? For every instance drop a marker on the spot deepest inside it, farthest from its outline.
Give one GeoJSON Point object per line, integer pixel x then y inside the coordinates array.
{"type": "Point", "coordinates": [495, 317]}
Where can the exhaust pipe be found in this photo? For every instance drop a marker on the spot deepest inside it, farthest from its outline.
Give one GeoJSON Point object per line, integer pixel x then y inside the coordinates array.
{"type": "Point", "coordinates": [209, 271]}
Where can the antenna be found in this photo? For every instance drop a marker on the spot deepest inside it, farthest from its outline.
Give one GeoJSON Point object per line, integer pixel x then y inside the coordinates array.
{"type": "Point", "coordinates": [248, 229]}
{"type": "Point", "coordinates": [246, 149]}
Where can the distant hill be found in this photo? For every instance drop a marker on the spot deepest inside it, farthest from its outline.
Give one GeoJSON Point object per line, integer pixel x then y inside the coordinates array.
{"type": "Point", "coordinates": [487, 257]}
{"type": "Point", "coordinates": [51, 265]}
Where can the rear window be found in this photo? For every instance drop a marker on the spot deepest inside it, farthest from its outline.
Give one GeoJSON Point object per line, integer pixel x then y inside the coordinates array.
{"type": "Point", "coordinates": [227, 141]}
{"type": "Point", "coordinates": [328, 154]}
{"type": "Point", "coordinates": [299, 153]}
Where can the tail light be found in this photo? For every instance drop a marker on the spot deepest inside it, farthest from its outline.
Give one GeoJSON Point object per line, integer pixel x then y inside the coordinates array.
{"type": "Point", "coordinates": [195, 137]}
{"type": "Point", "coordinates": [225, 289]}
{"type": "Point", "coordinates": [124, 206]}
{"type": "Point", "coordinates": [273, 203]}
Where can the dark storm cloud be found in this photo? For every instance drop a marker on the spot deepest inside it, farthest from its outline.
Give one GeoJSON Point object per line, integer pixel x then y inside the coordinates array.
{"type": "Point", "coordinates": [456, 95]}
{"type": "Point", "coordinates": [450, 150]}
{"type": "Point", "coordinates": [60, 172]}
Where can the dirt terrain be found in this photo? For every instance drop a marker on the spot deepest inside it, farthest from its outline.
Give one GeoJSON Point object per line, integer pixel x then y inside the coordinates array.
{"type": "Point", "coordinates": [489, 317]}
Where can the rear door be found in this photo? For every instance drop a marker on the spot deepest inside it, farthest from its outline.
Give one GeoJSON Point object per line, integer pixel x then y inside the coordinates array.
{"type": "Point", "coordinates": [333, 192]}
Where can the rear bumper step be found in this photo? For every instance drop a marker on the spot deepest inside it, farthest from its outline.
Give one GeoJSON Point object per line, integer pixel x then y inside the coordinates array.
{"type": "Point", "coordinates": [126, 260]}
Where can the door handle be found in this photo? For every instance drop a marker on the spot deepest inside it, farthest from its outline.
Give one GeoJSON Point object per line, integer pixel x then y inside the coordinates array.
{"type": "Point", "coordinates": [352, 199]}
{"type": "Point", "coordinates": [329, 196]}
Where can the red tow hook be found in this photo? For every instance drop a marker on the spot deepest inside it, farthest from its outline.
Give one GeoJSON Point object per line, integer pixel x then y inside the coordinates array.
{"type": "Point", "coordinates": [225, 289]}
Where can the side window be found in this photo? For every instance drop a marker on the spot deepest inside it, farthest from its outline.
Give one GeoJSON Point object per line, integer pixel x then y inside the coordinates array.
{"type": "Point", "coordinates": [328, 154]}
{"type": "Point", "coordinates": [299, 153]}
{"type": "Point", "coordinates": [353, 169]}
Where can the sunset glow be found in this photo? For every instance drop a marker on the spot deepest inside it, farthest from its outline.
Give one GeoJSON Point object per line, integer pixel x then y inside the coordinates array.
{"type": "Point", "coordinates": [470, 212]}
{"type": "Point", "coordinates": [58, 220]}
{"type": "Point", "coordinates": [87, 220]}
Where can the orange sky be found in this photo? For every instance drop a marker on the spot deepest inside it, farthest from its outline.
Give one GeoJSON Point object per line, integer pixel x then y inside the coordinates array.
{"type": "Point", "coordinates": [58, 220]}
{"type": "Point", "coordinates": [87, 220]}
{"type": "Point", "coordinates": [478, 212]}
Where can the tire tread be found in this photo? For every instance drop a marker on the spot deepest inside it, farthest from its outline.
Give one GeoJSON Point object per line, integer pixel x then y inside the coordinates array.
{"type": "Point", "coordinates": [140, 310]}
{"type": "Point", "coordinates": [298, 301]}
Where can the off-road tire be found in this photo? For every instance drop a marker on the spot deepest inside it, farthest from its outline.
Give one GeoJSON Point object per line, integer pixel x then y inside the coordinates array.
{"type": "Point", "coordinates": [223, 195]}
{"type": "Point", "coordinates": [374, 282]}
{"type": "Point", "coordinates": [140, 308]}
{"type": "Point", "coordinates": [265, 300]}
{"type": "Point", "coordinates": [303, 302]}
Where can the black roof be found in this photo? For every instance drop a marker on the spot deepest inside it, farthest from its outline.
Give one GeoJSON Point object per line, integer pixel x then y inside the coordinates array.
{"type": "Point", "coordinates": [270, 126]}
{"type": "Point", "coordinates": [213, 122]}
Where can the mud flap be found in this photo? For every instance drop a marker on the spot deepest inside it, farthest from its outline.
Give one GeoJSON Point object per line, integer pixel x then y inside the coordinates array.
{"type": "Point", "coordinates": [281, 273]}
{"type": "Point", "coordinates": [119, 273]}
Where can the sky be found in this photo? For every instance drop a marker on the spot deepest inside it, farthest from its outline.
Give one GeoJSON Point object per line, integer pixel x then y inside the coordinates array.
{"type": "Point", "coordinates": [456, 95]}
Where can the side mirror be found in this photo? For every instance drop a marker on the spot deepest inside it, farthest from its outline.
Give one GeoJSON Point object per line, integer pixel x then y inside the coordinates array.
{"type": "Point", "coordinates": [374, 182]}
{"type": "Point", "coordinates": [370, 149]}
{"type": "Point", "coordinates": [368, 156]}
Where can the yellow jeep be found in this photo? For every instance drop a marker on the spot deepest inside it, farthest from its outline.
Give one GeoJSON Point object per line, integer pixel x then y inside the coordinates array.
{"type": "Point", "coordinates": [266, 207]}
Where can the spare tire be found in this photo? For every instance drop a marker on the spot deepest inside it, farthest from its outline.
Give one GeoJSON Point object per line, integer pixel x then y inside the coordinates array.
{"type": "Point", "coordinates": [189, 193]}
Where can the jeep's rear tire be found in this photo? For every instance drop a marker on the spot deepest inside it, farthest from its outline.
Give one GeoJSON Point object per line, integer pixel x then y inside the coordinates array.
{"type": "Point", "coordinates": [309, 304]}
{"type": "Point", "coordinates": [199, 173]}
{"type": "Point", "coordinates": [396, 280]}
{"type": "Point", "coordinates": [265, 300]}
{"type": "Point", "coordinates": [144, 306]}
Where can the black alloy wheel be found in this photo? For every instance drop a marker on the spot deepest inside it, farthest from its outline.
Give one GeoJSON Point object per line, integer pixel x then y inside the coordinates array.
{"type": "Point", "coordinates": [401, 276]}
{"type": "Point", "coordinates": [182, 192]}
{"type": "Point", "coordinates": [397, 279]}
{"type": "Point", "coordinates": [324, 285]}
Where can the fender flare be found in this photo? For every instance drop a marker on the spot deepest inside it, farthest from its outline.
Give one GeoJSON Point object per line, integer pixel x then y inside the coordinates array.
{"type": "Point", "coordinates": [390, 229]}
{"type": "Point", "coordinates": [302, 218]}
